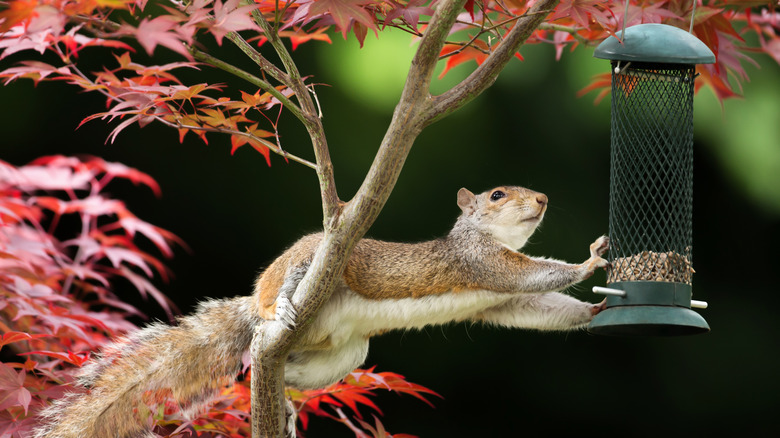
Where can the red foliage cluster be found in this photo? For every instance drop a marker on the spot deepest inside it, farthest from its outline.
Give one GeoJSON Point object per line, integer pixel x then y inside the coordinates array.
{"type": "Point", "coordinates": [140, 94]}
{"type": "Point", "coordinates": [64, 246]}
{"type": "Point", "coordinates": [349, 394]}
{"type": "Point", "coordinates": [723, 25]}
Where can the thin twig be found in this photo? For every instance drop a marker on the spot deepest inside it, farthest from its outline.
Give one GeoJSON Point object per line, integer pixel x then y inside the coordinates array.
{"type": "Point", "coordinates": [486, 17]}
{"type": "Point", "coordinates": [406, 27]}
{"type": "Point", "coordinates": [316, 100]}
{"type": "Point", "coordinates": [263, 85]}
{"type": "Point", "coordinates": [570, 30]}
{"type": "Point", "coordinates": [264, 64]}
{"type": "Point", "coordinates": [331, 204]}
{"type": "Point", "coordinates": [463, 47]}
{"type": "Point", "coordinates": [273, 38]}
{"type": "Point", "coordinates": [483, 30]}
{"type": "Point", "coordinates": [503, 7]}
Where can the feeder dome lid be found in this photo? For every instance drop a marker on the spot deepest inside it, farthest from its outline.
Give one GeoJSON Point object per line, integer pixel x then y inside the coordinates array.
{"type": "Point", "coordinates": [652, 42]}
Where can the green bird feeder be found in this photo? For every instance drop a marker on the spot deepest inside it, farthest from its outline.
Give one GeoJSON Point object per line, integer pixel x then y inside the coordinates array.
{"type": "Point", "coordinates": [649, 281]}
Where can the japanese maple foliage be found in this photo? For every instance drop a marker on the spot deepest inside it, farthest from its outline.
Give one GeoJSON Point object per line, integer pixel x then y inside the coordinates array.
{"type": "Point", "coordinates": [341, 401]}
{"type": "Point", "coordinates": [140, 94]}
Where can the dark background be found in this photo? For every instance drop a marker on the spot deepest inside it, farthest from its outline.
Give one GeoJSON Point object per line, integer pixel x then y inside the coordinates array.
{"type": "Point", "coordinates": [530, 129]}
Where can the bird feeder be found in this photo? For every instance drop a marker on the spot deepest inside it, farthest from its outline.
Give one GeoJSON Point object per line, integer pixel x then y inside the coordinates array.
{"type": "Point", "coordinates": [649, 281]}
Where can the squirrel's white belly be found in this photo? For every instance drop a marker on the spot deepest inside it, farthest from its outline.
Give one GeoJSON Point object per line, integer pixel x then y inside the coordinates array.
{"type": "Point", "coordinates": [348, 314]}
{"type": "Point", "coordinates": [320, 368]}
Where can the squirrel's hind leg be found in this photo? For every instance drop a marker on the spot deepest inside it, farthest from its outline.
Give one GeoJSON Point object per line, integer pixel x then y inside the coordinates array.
{"type": "Point", "coordinates": [285, 311]}
{"type": "Point", "coordinates": [292, 418]}
{"type": "Point", "coordinates": [547, 311]}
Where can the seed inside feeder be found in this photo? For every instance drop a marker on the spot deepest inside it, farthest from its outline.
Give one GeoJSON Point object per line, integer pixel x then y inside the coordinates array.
{"type": "Point", "coordinates": [651, 266]}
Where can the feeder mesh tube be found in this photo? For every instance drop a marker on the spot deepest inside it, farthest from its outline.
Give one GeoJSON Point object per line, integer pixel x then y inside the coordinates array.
{"type": "Point", "coordinates": [651, 174]}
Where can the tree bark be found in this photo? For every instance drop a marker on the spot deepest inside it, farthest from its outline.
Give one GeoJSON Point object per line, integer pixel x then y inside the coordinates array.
{"type": "Point", "coordinates": [345, 224]}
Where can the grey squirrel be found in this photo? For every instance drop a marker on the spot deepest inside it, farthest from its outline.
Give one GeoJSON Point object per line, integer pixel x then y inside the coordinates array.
{"type": "Point", "coordinates": [473, 274]}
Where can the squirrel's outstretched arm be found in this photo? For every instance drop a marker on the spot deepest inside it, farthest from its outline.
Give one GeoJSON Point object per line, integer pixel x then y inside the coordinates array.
{"type": "Point", "coordinates": [517, 272]}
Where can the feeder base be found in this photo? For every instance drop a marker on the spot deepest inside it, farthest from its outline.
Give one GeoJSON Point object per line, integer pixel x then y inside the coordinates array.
{"type": "Point", "coordinates": [648, 321]}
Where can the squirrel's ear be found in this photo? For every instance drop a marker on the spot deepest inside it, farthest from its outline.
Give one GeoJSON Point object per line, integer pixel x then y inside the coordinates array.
{"type": "Point", "coordinates": [467, 201]}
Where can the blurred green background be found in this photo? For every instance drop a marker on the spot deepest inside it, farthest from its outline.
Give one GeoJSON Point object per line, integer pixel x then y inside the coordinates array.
{"type": "Point", "coordinates": [529, 129]}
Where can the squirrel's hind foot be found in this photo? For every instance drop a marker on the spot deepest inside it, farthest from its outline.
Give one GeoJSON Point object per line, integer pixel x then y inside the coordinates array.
{"type": "Point", "coordinates": [285, 312]}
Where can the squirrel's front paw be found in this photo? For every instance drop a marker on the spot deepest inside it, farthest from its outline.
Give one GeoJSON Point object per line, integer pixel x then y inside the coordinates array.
{"type": "Point", "coordinates": [599, 247]}
{"type": "Point", "coordinates": [596, 262]}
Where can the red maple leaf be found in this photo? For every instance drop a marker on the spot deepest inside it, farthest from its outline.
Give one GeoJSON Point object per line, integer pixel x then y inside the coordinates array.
{"type": "Point", "coordinates": [299, 36]}
{"type": "Point", "coordinates": [77, 359]}
{"type": "Point", "coordinates": [229, 17]}
{"type": "Point", "coordinates": [12, 390]}
{"type": "Point", "coordinates": [601, 82]}
{"type": "Point", "coordinates": [343, 12]}
{"type": "Point", "coordinates": [17, 12]}
{"type": "Point", "coordinates": [163, 31]}
{"type": "Point", "coordinates": [412, 10]}
{"type": "Point", "coordinates": [581, 11]}
{"type": "Point", "coordinates": [465, 54]}
{"type": "Point", "coordinates": [11, 337]}
{"type": "Point", "coordinates": [469, 6]}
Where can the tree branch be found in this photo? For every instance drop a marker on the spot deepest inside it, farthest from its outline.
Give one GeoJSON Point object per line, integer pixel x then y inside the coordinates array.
{"type": "Point", "coordinates": [484, 75]}
{"type": "Point", "coordinates": [264, 64]}
{"type": "Point", "coordinates": [267, 383]}
{"type": "Point", "coordinates": [344, 230]}
{"type": "Point", "coordinates": [331, 205]}
{"type": "Point", "coordinates": [409, 119]}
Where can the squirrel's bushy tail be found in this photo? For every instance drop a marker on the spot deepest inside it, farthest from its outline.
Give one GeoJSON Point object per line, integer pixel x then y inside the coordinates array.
{"type": "Point", "coordinates": [188, 362]}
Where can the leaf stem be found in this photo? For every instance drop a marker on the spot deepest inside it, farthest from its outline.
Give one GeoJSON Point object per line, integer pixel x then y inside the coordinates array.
{"type": "Point", "coordinates": [263, 85]}
{"type": "Point", "coordinates": [273, 147]}
{"type": "Point", "coordinates": [264, 64]}
{"type": "Point", "coordinates": [570, 30]}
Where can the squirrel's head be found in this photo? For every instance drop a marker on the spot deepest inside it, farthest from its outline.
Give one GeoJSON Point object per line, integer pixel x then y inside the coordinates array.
{"type": "Point", "coordinates": [509, 214]}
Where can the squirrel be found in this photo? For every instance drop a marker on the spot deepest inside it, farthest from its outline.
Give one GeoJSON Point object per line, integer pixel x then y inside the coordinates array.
{"type": "Point", "coordinates": [474, 273]}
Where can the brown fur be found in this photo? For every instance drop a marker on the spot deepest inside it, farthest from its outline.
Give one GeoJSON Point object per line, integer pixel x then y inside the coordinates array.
{"type": "Point", "coordinates": [390, 270]}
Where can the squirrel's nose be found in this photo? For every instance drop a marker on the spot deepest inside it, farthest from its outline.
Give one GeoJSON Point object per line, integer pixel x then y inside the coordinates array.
{"type": "Point", "coordinates": [541, 199]}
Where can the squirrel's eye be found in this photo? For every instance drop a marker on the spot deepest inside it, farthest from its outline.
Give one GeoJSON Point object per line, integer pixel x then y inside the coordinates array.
{"type": "Point", "coordinates": [498, 194]}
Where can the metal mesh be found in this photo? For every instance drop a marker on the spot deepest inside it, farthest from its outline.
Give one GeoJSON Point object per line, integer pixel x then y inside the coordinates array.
{"type": "Point", "coordinates": [651, 184]}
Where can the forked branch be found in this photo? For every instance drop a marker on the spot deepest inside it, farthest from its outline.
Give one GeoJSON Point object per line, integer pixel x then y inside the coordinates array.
{"type": "Point", "coordinates": [344, 230]}
{"type": "Point", "coordinates": [484, 75]}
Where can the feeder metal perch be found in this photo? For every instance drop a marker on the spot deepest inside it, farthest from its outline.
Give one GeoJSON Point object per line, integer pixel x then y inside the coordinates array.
{"type": "Point", "coordinates": [651, 182]}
